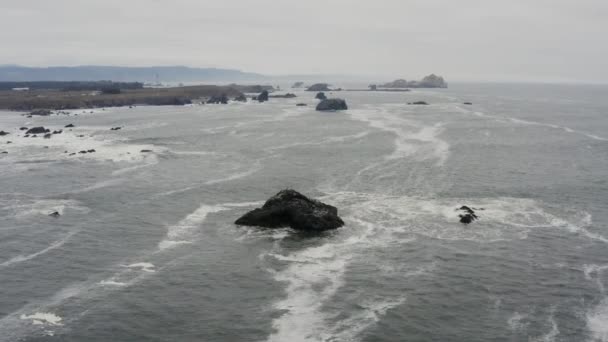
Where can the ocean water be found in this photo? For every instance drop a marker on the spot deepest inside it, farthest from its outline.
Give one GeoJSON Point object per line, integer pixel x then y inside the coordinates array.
{"type": "Point", "coordinates": [145, 248]}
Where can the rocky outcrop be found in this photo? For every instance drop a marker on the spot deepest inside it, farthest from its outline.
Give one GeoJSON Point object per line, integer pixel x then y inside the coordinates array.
{"type": "Point", "coordinates": [263, 97]}
{"type": "Point", "coordinates": [320, 96]}
{"type": "Point", "coordinates": [289, 208]}
{"type": "Point", "coordinates": [37, 130]}
{"type": "Point", "coordinates": [430, 81]}
{"type": "Point", "coordinates": [241, 98]}
{"type": "Point", "coordinates": [41, 112]}
{"type": "Point", "coordinates": [3, 133]}
{"type": "Point", "coordinates": [468, 214]}
{"type": "Point", "coordinates": [332, 104]}
{"type": "Point", "coordinates": [318, 87]}
{"type": "Point", "coordinates": [284, 96]}
{"type": "Point", "coordinates": [221, 99]}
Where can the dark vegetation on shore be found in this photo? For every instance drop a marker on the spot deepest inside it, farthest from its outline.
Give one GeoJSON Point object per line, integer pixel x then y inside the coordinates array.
{"type": "Point", "coordinates": [71, 85]}
{"type": "Point", "coordinates": [58, 99]}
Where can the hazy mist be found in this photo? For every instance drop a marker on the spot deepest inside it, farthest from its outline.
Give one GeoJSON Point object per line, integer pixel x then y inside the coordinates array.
{"type": "Point", "coordinates": [477, 40]}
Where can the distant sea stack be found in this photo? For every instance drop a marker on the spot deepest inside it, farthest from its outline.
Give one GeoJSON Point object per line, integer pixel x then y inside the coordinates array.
{"type": "Point", "coordinates": [319, 87]}
{"type": "Point", "coordinates": [430, 81]}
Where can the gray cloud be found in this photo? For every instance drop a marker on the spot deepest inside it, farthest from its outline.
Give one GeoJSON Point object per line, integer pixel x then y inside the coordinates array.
{"type": "Point", "coordinates": [553, 40]}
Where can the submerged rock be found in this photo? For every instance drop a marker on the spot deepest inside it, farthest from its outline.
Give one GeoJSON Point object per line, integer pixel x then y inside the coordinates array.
{"type": "Point", "coordinates": [37, 130]}
{"type": "Point", "coordinates": [48, 136]}
{"type": "Point", "coordinates": [289, 208]}
{"type": "Point", "coordinates": [3, 133]}
{"type": "Point", "coordinates": [301, 105]}
{"type": "Point", "coordinates": [115, 128]}
{"type": "Point", "coordinates": [69, 126]}
{"type": "Point", "coordinates": [418, 103]}
{"type": "Point", "coordinates": [320, 96]}
{"type": "Point", "coordinates": [332, 104]}
{"type": "Point", "coordinates": [54, 214]}
{"type": "Point", "coordinates": [23, 128]}
{"type": "Point", "coordinates": [468, 103]}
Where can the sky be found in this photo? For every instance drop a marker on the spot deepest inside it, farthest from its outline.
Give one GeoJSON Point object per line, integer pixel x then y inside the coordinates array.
{"type": "Point", "coordinates": [466, 40]}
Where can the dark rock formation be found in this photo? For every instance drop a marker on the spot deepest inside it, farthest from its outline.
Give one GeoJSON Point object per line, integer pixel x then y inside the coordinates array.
{"type": "Point", "coordinates": [3, 133]}
{"type": "Point", "coordinates": [115, 128]}
{"type": "Point", "coordinates": [289, 208]}
{"type": "Point", "coordinates": [468, 103]}
{"type": "Point", "coordinates": [145, 151]}
{"type": "Point", "coordinates": [301, 105]}
{"type": "Point", "coordinates": [418, 103]}
{"type": "Point", "coordinates": [430, 81]}
{"type": "Point", "coordinates": [23, 129]}
{"type": "Point", "coordinates": [58, 132]}
{"type": "Point", "coordinates": [41, 112]}
{"type": "Point", "coordinates": [48, 136]}
{"type": "Point", "coordinates": [332, 104]}
{"type": "Point", "coordinates": [284, 96]}
{"type": "Point", "coordinates": [223, 99]}
{"type": "Point", "coordinates": [241, 98]}
{"type": "Point", "coordinates": [400, 83]}
{"type": "Point", "coordinates": [91, 150]}
{"type": "Point", "coordinates": [69, 126]}
{"type": "Point", "coordinates": [54, 214]}
{"type": "Point", "coordinates": [320, 96]}
{"type": "Point", "coordinates": [468, 215]}
{"type": "Point", "coordinates": [318, 87]}
{"type": "Point", "coordinates": [263, 96]}
{"type": "Point", "coordinates": [37, 130]}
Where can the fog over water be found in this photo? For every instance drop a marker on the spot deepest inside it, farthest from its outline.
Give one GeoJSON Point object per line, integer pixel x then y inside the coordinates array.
{"type": "Point", "coordinates": [469, 40]}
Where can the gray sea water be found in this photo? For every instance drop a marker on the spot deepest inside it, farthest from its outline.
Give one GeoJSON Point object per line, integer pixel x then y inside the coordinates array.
{"type": "Point", "coordinates": [145, 248]}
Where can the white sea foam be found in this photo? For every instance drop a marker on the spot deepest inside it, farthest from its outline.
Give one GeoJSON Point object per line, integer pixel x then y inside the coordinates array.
{"type": "Point", "coordinates": [25, 209]}
{"type": "Point", "coordinates": [412, 138]}
{"type": "Point", "coordinates": [112, 283]}
{"type": "Point", "coordinates": [144, 266]}
{"type": "Point", "coordinates": [21, 258]}
{"type": "Point", "coordinates": [183, 231]}
{"type": "Point", "coordinates": [597, 321]}
{"type": "Point", "coordinates": [551, 334]}
{"type": "Point", "coordinates": [43, 318]}
{"type": "Point", "coordinates": [518, 321]}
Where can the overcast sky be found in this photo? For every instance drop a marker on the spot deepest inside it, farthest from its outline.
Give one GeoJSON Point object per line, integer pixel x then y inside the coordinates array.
{"type": "Point", "coordinates": [551, 40]}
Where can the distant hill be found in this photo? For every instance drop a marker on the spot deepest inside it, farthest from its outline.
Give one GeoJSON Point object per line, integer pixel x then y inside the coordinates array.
{"type": "Point", "coordinates": [15, 73]}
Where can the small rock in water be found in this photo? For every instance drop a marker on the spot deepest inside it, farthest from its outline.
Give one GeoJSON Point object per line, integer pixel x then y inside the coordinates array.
{"type": "Point", "coordinates": [82, 152]}
{"type": "Point", "coordinates": [4, 152]}
{"type": "Point", "coordinates": [48, 136]}
{"type": "Point", "coordinates": [2, 133]}
{"type": "Point", "coordinates": [23, 129]}
{"type": "Point", "coordinates": [332, 104]}
{"type": "Point", "coordinates": [91, 150]}
{"type": "Point", "coordinates": [468, 103]}
{"type": "Point", "coordinates": [54, 214]}
{"type": "Point", "coordinates": [9, 142]}
{"type": "Point", "coordinates": [468, 216]}
{"type": "Point", "coordinates": [58, 132]}
{"type": "Point", "coordinates": [418, 103]}
{"type": "Point", "coordinates": [37, 130]}
{"type": "Point", "coordinates": [301, 105]}
{"type": "Point", "coordinates": [145, 151]}
{"type": "Point", "coordinates": [321, 96]}
{"type": "Point", "coordinates": [69, 125]}
{"type": "Point", "coordinates": [115, 128]}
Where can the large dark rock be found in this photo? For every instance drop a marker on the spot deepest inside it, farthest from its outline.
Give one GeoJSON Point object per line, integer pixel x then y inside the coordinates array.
{"type": "Point", "coordinates": [320, 96]}
{"type": "Point", "coordinates": [289, 208]}
{"type": "Point", "coordinates": [263, 97]}
{"type": "Point", "coordinates": [2, 133]}
{"type": "Point", "coordinates": [332, 104]}
{"type": "Point", "coordinates": [318, 87]}
{"type": "Point", "coordinates": [37, 130]}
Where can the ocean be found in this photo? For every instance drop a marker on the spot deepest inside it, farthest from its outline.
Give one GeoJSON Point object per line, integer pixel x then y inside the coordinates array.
{"type": "Point", "coordinates": [145, 248]}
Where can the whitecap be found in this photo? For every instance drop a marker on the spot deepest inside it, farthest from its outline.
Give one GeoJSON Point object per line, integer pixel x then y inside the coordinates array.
{"type": "Point", "coordinates": [597, 321]}
{"type": "Point", "coordinates": [43, 318]}
{"type": "Point", "coordinates": [21, 258]}
{"type": "Point", "coordinates": [183, 231]}
{"type": "Point", "coordinates": [144, 266]}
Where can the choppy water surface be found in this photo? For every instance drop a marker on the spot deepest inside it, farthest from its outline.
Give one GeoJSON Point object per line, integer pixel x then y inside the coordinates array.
{"type": "Point", "coordinates": [145, 248]}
